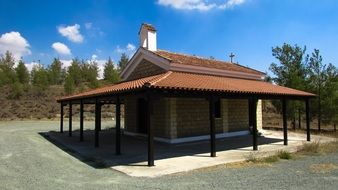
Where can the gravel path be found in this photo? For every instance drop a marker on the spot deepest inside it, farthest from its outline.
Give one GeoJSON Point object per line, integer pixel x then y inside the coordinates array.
{"type": "Point", "coordinates": [28, 161]}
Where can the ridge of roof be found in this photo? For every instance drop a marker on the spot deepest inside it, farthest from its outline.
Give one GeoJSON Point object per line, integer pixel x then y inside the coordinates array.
{"type": "Point", "coordinates": [214, 62]}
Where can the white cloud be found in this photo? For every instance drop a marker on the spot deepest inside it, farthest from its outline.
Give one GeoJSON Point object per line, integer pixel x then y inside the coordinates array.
{"type": "Point", "coordinates": [66, 63]}
{"type": "Point", "coordinates": [88, 25]}
{"type": "Point", "coordinates": [31, 65]}
{"type": "Point", "coordinates": [201, 5]}
{"type": "Point", "coordinates": [15, 43]}
{"type": "Point", "coordinates": [72, 33]}
{"type": "Point", "coordinates": [129, 49]}
{"type": "Point", "coordinates": [61, 48]}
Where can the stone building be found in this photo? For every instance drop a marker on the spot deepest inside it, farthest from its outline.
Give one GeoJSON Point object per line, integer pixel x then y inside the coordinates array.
{"type": "Point", "coordinates": [176, 98]}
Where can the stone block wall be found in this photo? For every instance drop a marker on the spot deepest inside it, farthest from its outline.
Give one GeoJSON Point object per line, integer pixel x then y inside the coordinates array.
{"type": "Point", "coordinates": [186, 117]}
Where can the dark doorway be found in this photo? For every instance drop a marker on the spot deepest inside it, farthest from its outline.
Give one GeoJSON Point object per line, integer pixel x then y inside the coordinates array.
{"type": "Point", "coordinates": [141, 116]}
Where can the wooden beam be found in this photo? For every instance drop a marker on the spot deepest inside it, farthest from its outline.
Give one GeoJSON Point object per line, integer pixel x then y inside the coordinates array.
{"type": "Point", "coordinates": [97, 123]}
{"type": "Point", "coordinates": [253, 121]}
{"type": "Point", "coordinates": [285, 127]}
{"type": "Point", "coordinates": [70, 119]}
{"type": "Point", "coordinates": [212, 126]}
{"type": "Point", "coordinates": [150, 131]}
{"type": "Point", "coordinates": [81, 120]}
{"type": "Point", "coordinates": [118, 126]}
{"type": "Point", "coordinates": [61, 118]}
{"type": "Point", "coordinates": [307, 108]}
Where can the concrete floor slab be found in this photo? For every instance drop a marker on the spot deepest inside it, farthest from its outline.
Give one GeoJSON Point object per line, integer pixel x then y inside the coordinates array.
{"type": "Point", "coordinates": [171, 159]}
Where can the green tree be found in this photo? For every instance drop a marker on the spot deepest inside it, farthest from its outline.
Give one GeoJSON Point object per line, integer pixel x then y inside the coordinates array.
{"type": "Point", "coordinates": [17, 90]}
{"type": "Point", "coordinates": [69, 85]}
{"type": "Point", "coordinates": [39, 77]}
{"type": "Point", "coordinates": [290, 72]}
{"type": "Point", "coordinates": [123, 61]}
{"type": "Point", "coordinates": [316, 71]}
{"type": "Point", "coordinates": [55, 72]}
{"type": "Point", "coordinates": [22, 73]}
{"type": "Point", "coordinates": [7, 72]}
{"type": "Point", "coordinates": [329, 95]}
{"type": "Point", "coordinates": [74, 70]}
{"type": "Point", "coordinates": [110, 74]}
{"type": "Point", "coordinates": [89, 73]}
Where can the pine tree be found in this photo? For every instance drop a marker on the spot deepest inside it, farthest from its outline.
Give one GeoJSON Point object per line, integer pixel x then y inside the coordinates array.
{"type": "Point", "coordinates": [123, 61]}
{"type": "Point", "coordinates": [110, 74]}
{"type": "Point", "coordinates": [290, 72]}
{"type": "Point", "coordinates": [69, 85]}
{"type": "Point", "coordinates": [74, 70]}
{"type": "Point", "coordinates": [7, 72]}
{"type": "Point", "coordinates": [39, 77]}
{"type": "Point", "coordinates": [22, 73]}
{"type": "Point", "coordinates": [55, 72]}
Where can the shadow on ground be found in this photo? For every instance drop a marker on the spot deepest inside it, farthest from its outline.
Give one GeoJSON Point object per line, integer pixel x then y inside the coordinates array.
{"type": "Point", "coordinates": [134, 149]}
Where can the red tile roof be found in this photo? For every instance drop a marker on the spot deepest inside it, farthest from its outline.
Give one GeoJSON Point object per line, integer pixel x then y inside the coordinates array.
{"type": "Point", "coordinates": [193, 82]}
{"type": "Point", "coordinates": [205, 62]}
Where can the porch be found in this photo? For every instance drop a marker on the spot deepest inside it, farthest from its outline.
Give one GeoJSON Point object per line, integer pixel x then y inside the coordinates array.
{"type": "Point", "coordinates": [170, 158]}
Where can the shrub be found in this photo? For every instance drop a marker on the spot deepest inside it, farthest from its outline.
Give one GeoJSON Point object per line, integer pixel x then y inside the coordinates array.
{"type": "Point", "coordinates": [309, 148]}
{"type": "Point", "coordinates": [282, 154]}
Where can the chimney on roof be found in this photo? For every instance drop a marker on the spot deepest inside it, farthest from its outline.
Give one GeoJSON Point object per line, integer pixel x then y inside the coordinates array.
{"type": "Point", "coordinates": [147, 35]}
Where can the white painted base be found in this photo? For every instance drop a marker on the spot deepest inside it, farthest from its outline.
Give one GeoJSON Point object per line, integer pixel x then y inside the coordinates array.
{"type": "Point", "coordinates": [191, 139]}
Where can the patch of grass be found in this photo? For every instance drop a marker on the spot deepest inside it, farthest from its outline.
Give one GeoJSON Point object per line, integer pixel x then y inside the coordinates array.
{"type": "Point", "coordinates": [309, 148]}
{"type": "Point", "coordinates": [323, 168]}
{"type": "Point", "coordinates": [329, 147]}
{"type": "Point", "coordinates": [252, 157]}
{"type": "Point", "coordinates": [319, 148]}
{"type": "Point", "coordinates": [282, 154]}
{"type": "Point", "coordinates": [271, 159]}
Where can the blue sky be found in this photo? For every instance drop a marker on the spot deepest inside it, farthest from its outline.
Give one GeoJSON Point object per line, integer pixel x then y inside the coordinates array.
{"type": "Point", "coordinates": [98, 29]}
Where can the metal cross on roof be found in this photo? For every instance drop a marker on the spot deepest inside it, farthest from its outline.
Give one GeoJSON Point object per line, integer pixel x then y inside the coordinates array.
{"type": "Point", "coordinates": [231, 57]}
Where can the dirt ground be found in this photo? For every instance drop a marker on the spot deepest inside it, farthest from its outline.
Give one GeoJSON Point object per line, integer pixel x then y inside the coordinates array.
{"type": "Point", "coordinates": [29, 161]}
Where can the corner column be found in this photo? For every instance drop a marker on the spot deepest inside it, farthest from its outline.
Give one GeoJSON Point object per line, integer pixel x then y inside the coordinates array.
{"type": "Point", "coordinates": [253, 120]}
{"type": "Point", "coordinates": [150, 131]}
{"type": "Point", "coordinates": [212, 126]}
{"type": "Point", "coordinates": [307, 108]}
{"type": "Point", "coordinates": [285, 127]}
{"type": "Point", "coordinates": [81, 120]}
{"type": "Point", "coordinates": [118, 125]}
{"type": "Point", "coordinates": [70, 119]}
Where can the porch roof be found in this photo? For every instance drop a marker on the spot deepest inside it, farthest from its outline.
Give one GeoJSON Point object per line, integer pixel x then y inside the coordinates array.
{"type": "Point", "coordinates": [171, 80]}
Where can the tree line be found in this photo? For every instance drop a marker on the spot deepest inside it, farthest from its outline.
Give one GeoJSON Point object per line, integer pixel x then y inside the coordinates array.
{"type": "Point", "coordinates": [308, 72]}
{"type": "Point", "coordinates": [79, 76]}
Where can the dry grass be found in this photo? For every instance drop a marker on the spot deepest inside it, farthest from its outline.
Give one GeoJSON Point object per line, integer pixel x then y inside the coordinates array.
{"type": "Point", "coordinates": [309, 148]}
{"type": "Point", "coordinates": [323, 168]}
{"type": "Point", "coordinates": [285, 155]}
{"type": "Point", "coordinates": [318, 148]}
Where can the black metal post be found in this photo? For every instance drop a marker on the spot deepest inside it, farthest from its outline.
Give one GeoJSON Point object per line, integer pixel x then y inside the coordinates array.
{"type": "Point", "coordinates": [81, 120]}
{"type": "Point", "coordinates": [285, 126]}
{"type": "Point", "coordinates": [70, 119]}
{"type": "Point", "coordinates": [100, 108]}
{"type": "Point", "coordinates": [307, 107]}
{"type": "Point", "coordinates": [212, 127]}
{"type": "Point", "coordinates": [118, 126]}
{"type": "Point", "coordinates": [61, 119]}
{"type": "Point", "coordinates": [150, 131]}
{"type": "Point", "coordinates": [253, 120]}
{"type": "Point", "coordinates": [97, 115]}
